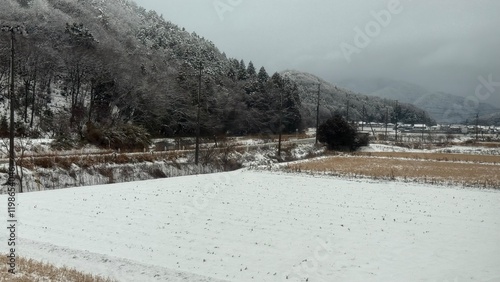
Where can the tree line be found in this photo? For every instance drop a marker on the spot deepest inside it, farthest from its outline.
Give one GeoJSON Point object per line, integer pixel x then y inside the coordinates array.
{"type": "Point", "coordinates": [98, 65]}
{"type": "Point", "coordinates": [95, 70]}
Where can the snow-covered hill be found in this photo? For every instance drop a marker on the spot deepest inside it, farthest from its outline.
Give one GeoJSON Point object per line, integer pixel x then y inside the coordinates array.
{"type": "Point", "coordinates": [386, 88]}
{"type": "Point", "coordinates": [441, 106]}
{"type": "Point", "coordinates": [449, 108]}
{"type": "Point", "coordinates": [251, 226]}
{"type": "Point", "coordinates": [337, 100]}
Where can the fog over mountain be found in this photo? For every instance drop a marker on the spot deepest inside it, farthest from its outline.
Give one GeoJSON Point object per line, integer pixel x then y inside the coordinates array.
{"type": "Point", "coordinates": [441, 106]}
{"type": "Point", "coordinates": [441, 45]}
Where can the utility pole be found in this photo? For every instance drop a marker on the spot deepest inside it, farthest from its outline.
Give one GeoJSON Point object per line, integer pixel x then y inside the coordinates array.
{"type": "Point", "coordinates": [317, 112]}
{"type": "Point", "coordinates": [477, 126]}
{"type": "Point", "coordinates": [397, 118]}
{"type": "Point", "coordinates": [347, 107]}
{"type": "Point", "coordinates": [386, 121]}
{"type": "Point", "coordinates": [423, 127]}
{"type": "Point", "coordinates": [197, 149]}
{"type": "Point", "coordinates": [12, 180]}
{"type": "Point", "coordinates": [363, 119]}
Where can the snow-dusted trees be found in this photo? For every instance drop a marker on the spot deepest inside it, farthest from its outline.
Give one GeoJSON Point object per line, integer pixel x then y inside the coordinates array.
{"type": "Point", "coordinates": [266, 100]}
{"type": "Point", "coordinates": [242, 71]}
{"type": "Point", "coordinates": [263, 77]}
{"type": "Point", "coordinates": [251, 70]}
{"type": "Point", "coordinates": [91, 64]}
{"type": "Point", "coordinates": [4, 67]}
{"type": "Point", "coordinates": [289, 102]}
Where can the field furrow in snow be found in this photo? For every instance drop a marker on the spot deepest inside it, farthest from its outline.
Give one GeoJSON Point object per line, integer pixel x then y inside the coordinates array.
{"type": "Point", "coordinates": [252, 226]}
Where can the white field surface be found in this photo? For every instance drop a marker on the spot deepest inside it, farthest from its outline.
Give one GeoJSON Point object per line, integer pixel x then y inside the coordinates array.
{"type": "Point", "coordinates": [450, 150]}
{"type": "Point", "coordinates": [259, 226]}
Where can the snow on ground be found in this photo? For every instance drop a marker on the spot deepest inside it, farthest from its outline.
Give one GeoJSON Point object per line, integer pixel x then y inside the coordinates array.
{"type": "Point", "coordinates": [449, 150]}
{"type": "Point", "coordinates": [383, 148]}
{"type": "Point", "coordinates": [258, 226]}
{"type": "Point", "coordinates": [469, 150]}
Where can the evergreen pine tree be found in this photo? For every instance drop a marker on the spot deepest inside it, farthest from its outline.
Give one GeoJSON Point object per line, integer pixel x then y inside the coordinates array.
{"type": "Point", "coordinates": [277, 80]}
{"type": "Point", "coordinates": [231, 74]}
{"type": "Point", "coordinates": [263, 77]}
{"type": "Point", "coordinates": [251, 70]}
{"type": "Point", "coordinates": [291, 103]}
{"type": "Point", "coordinates": [242, 71]}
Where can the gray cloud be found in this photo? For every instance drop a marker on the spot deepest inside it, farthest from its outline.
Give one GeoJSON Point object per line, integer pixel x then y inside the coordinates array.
{"type": "Point", "coordinates": [442, 45]}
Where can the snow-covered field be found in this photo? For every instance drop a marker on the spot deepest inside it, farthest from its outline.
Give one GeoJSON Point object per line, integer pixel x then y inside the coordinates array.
{"type": "Point", "coordinates": [258, 226]}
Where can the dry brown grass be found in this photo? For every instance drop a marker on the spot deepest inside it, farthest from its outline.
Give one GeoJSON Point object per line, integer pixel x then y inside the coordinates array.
{"type": "Point", "coordinates": [89, 160]}
{"type": "Point", "coordinates": [489, 144]}
{"type": "Point", "coordinates": [32, 271]}
{"type": "Point", "coordinates": [484, 159]}
{"type": "Point", "coordinates": [418, 170]}
{"type": "Point", "coordinates": [284, 137]}
{"type": "Point", "coordinates": [473, 143]}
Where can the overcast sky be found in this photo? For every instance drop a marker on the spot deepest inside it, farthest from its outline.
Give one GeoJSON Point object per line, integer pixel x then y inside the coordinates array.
{"type": "Point", "coordinates": [442, 45]}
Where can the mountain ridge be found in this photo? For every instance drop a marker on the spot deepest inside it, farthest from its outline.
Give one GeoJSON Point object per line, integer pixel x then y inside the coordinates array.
{"type": "Point", "coordinates": [90, 66]}
{"type": "Point", "coordinates": [336, 100]}
{"type": "Point", "coordinates": [443, 107]}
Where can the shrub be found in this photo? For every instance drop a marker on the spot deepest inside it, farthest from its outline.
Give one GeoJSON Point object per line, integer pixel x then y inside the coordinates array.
{"type": "Point", "coordinates": [157, 173]}
{"type": "Point", "coordinates": [339, 135]}
{"type": "Point", "coordinates": [63, 142]}
{"type": "Point", "coordinates": [124, 136]}
{"type": "Point", "coordinates": [107, 172]}
{"type": "Point", "coordinates": [362, 139]}
{"type": "Point", "coordinates": [227, 158]}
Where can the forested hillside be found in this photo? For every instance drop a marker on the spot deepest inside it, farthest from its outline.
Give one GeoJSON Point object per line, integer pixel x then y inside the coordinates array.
{"type": "Point", "coordinates": [99, 70]}
{"type": "Point", "coordinates": [353, 106]}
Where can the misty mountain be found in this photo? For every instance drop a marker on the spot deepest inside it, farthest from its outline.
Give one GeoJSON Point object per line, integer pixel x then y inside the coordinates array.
{"type": "Point", "coordinates": [491, 119]}
{"type": "Point", "coordinates": [450, 108]}
{"type": "Point", "coordinates": [443, 107]}
{"type": "Point", "coordinates": [336, 100]}
{"type": "Point", "coordinates": [386, 88]}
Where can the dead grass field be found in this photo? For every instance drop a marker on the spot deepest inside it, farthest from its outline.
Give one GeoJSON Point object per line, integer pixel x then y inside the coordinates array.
{"type": "Point", "coordinates": [484, 159]}
{"type": "Point", "coordinates": [490, 144]}
{"type": "Point", "coordinates": [402, 166]}
{"type": "Point", "coordinates": [33, 271]}
{"type": "Point", "coordinates": [89, 160]}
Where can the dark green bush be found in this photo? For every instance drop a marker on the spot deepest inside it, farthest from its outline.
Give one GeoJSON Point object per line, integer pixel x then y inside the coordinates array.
{"type": "Point", "coordinates": [123, 136]}
{"type": "Point", "coordinates": [339, 135]}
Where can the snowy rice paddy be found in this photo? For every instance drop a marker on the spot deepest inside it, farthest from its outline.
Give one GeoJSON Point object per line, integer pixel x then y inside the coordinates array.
{"type": "Point", "coordinates": [258, 226]}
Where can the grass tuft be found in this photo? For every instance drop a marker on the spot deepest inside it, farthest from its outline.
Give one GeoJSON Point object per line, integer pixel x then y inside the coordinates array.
{"type": "Point", "coordinates": [30, 270]}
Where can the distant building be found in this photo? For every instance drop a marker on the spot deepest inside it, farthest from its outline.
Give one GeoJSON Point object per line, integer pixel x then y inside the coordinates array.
{"type": "Point", "coordinates": [405, 127]}
{"type": "Point", "coordinates": [457, 129]}
{"type": "Point", "coordinates": [436, 128]}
